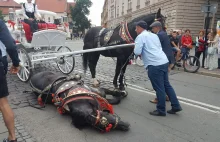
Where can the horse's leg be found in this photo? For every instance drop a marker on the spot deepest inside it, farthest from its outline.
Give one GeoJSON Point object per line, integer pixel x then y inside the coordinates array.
{"type": "Point", "coordinates": [93, 59]}
{"type": "Point", "coordinates": [117, 72]}
{"type": "Point", "coordinates": [122, 74]}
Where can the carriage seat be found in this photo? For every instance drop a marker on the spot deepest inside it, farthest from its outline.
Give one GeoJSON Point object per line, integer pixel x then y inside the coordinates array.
{"type": "Point", "coordinates": [41, 26]}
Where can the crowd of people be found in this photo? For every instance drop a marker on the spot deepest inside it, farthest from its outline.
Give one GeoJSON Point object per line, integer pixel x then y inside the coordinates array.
{"type": "Point", "coordinates": [182, 42]}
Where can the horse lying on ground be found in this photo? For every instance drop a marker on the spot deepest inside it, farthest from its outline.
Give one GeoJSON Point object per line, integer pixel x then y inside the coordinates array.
{"type": "Point", "coordinates": [86, 105]}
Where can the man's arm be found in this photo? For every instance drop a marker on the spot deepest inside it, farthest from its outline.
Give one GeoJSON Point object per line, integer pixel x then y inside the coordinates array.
{"type": "Point", "coordinates": [24, 13]}
{"type": "Point", "coordinates": [138, 46]}
{"type": "Point", "coordinates": [9, 43]}
{"type": "Point", "coordinates": [37, 12]}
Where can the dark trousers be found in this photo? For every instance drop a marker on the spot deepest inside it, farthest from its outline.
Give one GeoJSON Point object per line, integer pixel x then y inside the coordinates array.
{"type": "Point", "coordinates": [198, 54]}
{"type": "Point", "coordinates": [160, 81]}
{"type": "Point", "coordinates": [33, 25]}
{"type": "Point", "coordinates": [5, 63]}
{"type": "Point", "coordinates": [219, 63]}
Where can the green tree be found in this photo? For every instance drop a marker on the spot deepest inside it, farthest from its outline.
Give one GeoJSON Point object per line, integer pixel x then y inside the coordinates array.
{"type": "Point", "coordinates": [1, 15]}
{"type": "Point", "coordinates": [79, 14]}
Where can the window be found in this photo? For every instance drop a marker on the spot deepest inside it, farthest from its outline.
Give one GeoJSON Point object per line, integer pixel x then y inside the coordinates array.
{"type": "Point", "coordinates": [122, 11]}
{"type": "Point", "coordinates": [138, 2]}
{"type": "Point", "coordinates": [147, 2]}
{"type": "Point", "coordinates": [129, 4]}
{"type": "Point", "coordinates": [118, 11]}
{"type": "Point", "coordinates": [112, 11]}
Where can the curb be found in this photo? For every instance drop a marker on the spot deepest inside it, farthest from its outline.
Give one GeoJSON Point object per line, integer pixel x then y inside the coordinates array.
{"type": "Point", "coordinates": [205, 73]}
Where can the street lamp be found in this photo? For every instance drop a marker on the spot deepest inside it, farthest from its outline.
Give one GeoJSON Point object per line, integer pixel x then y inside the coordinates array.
{"type": "Point", "coordinates": [208, 9]}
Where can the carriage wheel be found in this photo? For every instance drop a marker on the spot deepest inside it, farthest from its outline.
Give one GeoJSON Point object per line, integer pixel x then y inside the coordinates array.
{"type": "Point", "coordinates": [65, 64]}
{"type": "Point", "coordinates": [25, 71]}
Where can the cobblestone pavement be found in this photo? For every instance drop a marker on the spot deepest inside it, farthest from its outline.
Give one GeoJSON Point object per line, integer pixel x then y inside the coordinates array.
{"type": "Point", "coordinates": [21, 100]}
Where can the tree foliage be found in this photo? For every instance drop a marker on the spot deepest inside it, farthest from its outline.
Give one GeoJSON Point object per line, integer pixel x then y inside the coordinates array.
{"type": "Point", "coordinates": [79, 14]}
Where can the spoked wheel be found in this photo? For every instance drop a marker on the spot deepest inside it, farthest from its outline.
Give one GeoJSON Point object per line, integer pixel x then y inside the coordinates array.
{"type": "Point", "coordinates": [191, 64]}
{"type": "Point", "coordinates": [25, 71]}
{"type": "Point", "coordinates": [65, 63]}
{"type": "Point", "coordinates": [139, 61]}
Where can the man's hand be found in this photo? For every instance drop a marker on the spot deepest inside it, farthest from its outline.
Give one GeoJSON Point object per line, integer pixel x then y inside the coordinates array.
{"type": "Point", "coordinates": [31, 19]}
{"type": "Point", "coordinates": [14, 70]}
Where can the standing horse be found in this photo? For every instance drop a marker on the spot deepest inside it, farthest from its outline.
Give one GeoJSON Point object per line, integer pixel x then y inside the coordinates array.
{"type": "Point", "coordinates": [123, 34]}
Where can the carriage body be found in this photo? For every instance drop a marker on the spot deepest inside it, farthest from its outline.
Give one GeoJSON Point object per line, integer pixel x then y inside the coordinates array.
{"type": "Point", "coordinates": [34, 48]}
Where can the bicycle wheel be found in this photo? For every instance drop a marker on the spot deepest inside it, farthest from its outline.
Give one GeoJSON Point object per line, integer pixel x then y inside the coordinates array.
{"type": "Point", "coordinates": [191, 64]}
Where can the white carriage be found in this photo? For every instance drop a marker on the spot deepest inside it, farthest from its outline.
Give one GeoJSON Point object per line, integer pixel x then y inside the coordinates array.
{"type": "Point", "coordinates": [43, 47]}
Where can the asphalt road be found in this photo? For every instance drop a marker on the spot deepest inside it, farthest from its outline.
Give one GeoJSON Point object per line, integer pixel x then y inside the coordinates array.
{"type": "Point", "coordinates": [198, 122]}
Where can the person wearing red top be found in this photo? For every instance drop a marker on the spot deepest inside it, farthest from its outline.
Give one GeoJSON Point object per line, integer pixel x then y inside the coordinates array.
{"type": "Point", "coordinates": [200, 47]}
{"type": "Point", "coordinates": [186, 42]}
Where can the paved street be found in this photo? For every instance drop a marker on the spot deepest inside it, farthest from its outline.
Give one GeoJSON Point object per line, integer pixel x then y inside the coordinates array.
{"type": "Point", "coordinates": [198, 122]}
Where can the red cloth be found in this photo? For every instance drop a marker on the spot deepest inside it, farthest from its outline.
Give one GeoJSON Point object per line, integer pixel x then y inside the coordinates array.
{"type": "Point", "coordinates": [186, 40]}
{"type": "Point", "coordinates": [28, 33]}
{"type": "Point", "coordinates": [41, 26]}
{"type": "Point", "coordinates": [201, 45]}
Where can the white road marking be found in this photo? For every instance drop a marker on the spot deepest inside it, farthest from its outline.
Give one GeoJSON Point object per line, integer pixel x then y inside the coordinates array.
{"type": "Point", "coordinates": [197, 104]}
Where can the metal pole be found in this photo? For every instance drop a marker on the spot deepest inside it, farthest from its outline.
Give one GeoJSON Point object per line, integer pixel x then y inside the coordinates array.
{"type": "Point", "coordinates": [207, 22]}
{"type": "Point", "coordinates": [85, 51]}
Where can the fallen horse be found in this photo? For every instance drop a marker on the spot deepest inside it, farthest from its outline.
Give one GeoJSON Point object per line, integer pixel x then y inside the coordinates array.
{"type": "Point", "coordinates": [86, 105]}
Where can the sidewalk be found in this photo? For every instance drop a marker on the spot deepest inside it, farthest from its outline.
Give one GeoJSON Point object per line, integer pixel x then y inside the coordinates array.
{"type": "Point", "coordinates": [206, 72]}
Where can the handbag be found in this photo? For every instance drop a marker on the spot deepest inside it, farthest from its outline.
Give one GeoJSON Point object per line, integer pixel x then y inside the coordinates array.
{"type": "Point", "coordinates": [211, 50]}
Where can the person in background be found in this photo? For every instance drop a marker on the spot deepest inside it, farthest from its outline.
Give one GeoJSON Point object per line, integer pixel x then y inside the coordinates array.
{"type": "Point", "coordinates": [200, 47]}
{"type": "Point", "coordinates": [212, 59]}
{"type": "Point", "coordinates": [174, 41]}
{"type": "Point", "coordinates": [29, 11]}
{"type": "Point", "coordinates": [155, 61]}
{"type": "Point", "coordinates": [186, 43]}
{"type": "Point", "coordinates": [171, 33]}
{"type": "Point", "coordinates": [11, 48]}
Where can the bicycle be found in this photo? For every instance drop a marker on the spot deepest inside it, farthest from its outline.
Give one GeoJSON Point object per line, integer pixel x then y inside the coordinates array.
{"type": "Point", "coordinates": [190, 64]}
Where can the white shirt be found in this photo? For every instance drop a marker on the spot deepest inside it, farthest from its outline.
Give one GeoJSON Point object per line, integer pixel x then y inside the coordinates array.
{"type": "Point", "coordinates": [30, 8]}
{"type": "Point", "coordinates": [3, 49]}
{"type": "Point", "coordinates": [149, 47]}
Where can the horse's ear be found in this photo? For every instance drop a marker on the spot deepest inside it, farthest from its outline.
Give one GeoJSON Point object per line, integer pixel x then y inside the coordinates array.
{"type": "Point", "coordinates": [159, 13]}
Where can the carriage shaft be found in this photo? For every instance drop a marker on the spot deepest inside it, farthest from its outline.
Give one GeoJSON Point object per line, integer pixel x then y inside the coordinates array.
{"type": "Point", "coordinates": [81, 51]}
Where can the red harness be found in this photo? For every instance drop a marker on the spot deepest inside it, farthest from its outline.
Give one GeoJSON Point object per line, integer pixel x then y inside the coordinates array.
{"type": "Point", "coordinates": [80, 94]}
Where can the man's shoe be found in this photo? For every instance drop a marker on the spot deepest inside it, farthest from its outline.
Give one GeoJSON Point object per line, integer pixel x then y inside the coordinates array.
{"type": "Point", "coordinates": [157, 113]}
{"type": "Point", "coordinates": [6, 140]}
{"type": "Point", "coordinates": [174, 111]}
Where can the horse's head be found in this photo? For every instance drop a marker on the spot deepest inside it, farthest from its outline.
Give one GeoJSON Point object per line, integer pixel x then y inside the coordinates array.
{"type": "Point", "coordinates": [87, 112]}
{"type": "Point", "coordinates": [159, 17]}
{"type": "Point", "coordinates": [149, 19]}
{"type": "Point", "coordinates": [105, 121]}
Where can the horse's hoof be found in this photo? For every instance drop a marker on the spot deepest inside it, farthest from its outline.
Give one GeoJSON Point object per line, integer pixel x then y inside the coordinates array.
{"type": "Point", "coordinates": [124, 93]}
{"type": "Point", "coordinates": [121, 88]}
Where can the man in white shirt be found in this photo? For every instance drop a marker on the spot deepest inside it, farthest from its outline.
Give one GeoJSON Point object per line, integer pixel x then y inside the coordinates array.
{"type": "Point", "coordinates": [155, 61]}
{"type": "Point", "coordinates": [29, 11]}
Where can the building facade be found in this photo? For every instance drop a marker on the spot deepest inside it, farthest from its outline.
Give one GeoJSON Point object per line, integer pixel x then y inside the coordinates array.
{"type": "Point", "coordinates": [5, 5]}
{"type": "Point", "coordinates": [104, 15]}
{"type": "Point", "coordinates": [180, 14]}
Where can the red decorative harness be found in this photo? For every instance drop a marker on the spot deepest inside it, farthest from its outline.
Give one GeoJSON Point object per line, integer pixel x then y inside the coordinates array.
{"type": "Point", "coordinates": [124, 33]}
{"type": "Point", "coordinates": [79, 93]}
